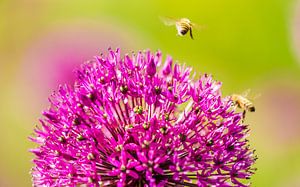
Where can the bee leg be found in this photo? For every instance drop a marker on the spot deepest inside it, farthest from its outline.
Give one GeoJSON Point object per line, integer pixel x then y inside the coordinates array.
{"type": "Point", "coordinates": [244, 115]}
{"type": "Point", "coordinates": [191, 34]}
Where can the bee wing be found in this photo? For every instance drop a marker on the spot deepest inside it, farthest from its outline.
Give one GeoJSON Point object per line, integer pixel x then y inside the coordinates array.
{"type": "Point", "coordinates": [168, 21]}
{"type": "Point", "coordinates": [198, 27]}
{"type": "Point", "coordinates": [257, 95]}
{"type": "Point", "coordinates": [252, 96]}
{"type": "Point", "coordinates": [246, 93]}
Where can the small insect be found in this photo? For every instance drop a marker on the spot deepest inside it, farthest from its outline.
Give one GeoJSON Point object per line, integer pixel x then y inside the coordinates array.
{"type": "Point", "coordinates": [241, 101]}
{"type": "Point", "coordinates": [183, 25]}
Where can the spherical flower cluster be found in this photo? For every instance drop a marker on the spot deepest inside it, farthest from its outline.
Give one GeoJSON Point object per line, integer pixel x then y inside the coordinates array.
{"type": "Point", "coordinates": [127, 122]}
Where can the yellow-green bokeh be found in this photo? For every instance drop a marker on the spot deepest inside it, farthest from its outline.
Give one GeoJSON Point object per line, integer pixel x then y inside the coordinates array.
{"type": "Point", "coordinates": [245, 44]}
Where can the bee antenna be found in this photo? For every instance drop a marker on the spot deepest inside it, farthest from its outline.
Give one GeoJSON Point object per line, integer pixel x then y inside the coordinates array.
{"type": "Point", "coordinates": [191, 34]}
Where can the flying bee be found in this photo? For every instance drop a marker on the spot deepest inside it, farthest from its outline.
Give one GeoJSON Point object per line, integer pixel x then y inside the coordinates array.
{"type": "Point", "coordinates": [183, 25]}
{"type": "Point", "coordinates": [241, 101]}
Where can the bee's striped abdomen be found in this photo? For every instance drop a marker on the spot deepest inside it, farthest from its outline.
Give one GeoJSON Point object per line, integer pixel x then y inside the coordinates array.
{"type": "Point", "coordinates": [183, 27]}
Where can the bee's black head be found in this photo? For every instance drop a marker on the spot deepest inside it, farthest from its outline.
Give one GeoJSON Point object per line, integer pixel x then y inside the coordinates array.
{"type": "Point", "coordinates": [252, 109]}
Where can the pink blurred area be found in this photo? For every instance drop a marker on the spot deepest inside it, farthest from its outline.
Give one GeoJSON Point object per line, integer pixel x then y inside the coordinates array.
{"type": "Point", "coordinates": [50, 59]}
{"type": "Point", "coordinates": [278, 111]}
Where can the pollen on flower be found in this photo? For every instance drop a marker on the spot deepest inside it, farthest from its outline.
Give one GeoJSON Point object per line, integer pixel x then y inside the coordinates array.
{"type": "Point", "coordinates": [132, 122]}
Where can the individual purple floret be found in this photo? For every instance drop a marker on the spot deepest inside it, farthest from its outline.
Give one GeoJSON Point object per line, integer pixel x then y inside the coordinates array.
{"type": "Point", "coordinates": [128, 122]}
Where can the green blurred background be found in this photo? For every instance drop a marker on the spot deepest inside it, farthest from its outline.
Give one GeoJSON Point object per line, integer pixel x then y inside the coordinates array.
{"type": "Point", "coordinates": [248, 44]}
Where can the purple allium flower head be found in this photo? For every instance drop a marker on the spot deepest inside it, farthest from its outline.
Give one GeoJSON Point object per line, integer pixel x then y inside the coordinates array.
{"type": "Point", "coordinates": [128, 122]}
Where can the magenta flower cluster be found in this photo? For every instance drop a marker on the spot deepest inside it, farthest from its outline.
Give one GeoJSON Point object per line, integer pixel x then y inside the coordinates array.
{"type": "Point", "coordinates": [128, 122]}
